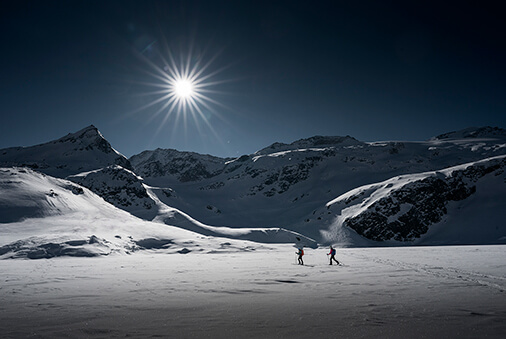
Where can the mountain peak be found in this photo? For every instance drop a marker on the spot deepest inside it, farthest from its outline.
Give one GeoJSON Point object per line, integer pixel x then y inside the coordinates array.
{"type": "Point", "coordinates": [88, 132]}
{"type": "Point", "coordinates": [76, 152]}
{"type": "Point", "coordinates": [89, 129]}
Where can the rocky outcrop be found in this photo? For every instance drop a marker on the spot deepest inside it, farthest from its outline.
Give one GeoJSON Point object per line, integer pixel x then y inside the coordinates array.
{"type": "Point", "coordinates": [408, 212]}
{"type": "Point", "coordinates": [183, 166]}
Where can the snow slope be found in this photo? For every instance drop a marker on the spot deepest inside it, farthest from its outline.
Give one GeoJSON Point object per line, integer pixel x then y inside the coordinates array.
{"type": "Point", "coordinates": [172, 216]}
{"type": "Point", "coordinates": [44, 217]}
{"type": "Point", "coordinates": [465, 204]}
{"type": "Point", "coordinates": [127, 191]}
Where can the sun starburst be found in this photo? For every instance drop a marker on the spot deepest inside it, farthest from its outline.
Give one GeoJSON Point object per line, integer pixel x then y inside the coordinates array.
{"type": "Point", "coordinates": [184, 86]}
{"type": "Point", "coordinates": [183, 89]}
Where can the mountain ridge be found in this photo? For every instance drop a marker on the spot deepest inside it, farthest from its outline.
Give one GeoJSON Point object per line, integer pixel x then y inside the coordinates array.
{"type": "Point", "coordinates": [473, 132]}
{"type": "Point", "coordinates": [282, 186]}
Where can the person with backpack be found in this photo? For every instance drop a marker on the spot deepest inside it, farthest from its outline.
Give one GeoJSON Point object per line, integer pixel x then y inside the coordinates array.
{"type": "Point", "coordinates": [332, 255]}
{"type": "Point", "coordinates": [300, 253]}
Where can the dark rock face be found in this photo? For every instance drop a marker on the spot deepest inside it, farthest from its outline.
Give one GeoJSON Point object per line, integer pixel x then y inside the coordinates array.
{"type": "Point", "coordinates": [408, 213]}
{"type": "Point", "coordinates": [195, 173]}
{"type": "Point", "coordinates": [185, 166]}
{"type": "Point", "coordinates": [189, 167]}
{"type": "Point", "coordinates": [280, 180]}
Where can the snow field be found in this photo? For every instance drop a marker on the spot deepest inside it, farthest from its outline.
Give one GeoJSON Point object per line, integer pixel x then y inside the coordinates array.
{"type": "Point", "coordinates": [404, 292]}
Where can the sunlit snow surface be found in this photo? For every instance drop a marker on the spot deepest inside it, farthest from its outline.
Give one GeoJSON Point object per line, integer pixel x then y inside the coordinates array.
{"type": "Point", "coordinates": [43, 217]}
{"type": "Point", "coordinates": [422, 292]}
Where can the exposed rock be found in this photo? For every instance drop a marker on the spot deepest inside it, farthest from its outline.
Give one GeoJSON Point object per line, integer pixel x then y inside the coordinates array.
{"type": "Point", "coordinates": [408, 212]}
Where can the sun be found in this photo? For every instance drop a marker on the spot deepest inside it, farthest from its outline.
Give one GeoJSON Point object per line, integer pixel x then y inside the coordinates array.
{"type": "Point", "coordinates": [183, 88]}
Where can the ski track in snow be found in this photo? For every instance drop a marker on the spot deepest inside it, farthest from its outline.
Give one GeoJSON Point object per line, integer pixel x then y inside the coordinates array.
{"type": "Point", "coordinates": [489, 280]}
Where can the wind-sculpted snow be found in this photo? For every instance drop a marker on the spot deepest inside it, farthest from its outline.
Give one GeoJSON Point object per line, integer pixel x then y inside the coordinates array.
{"type": "Point", "coordinates": [116, 233]}
{"type": "Point", "coordinates": [38, 248]}
{"type": "Point", "coordinates": [404, 208]}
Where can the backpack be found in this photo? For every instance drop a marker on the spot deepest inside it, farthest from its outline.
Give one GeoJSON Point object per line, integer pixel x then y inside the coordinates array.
{"type": "Point", "coordinates": [301, 252]}
{"type": "Point", "coordinates": [333, 251]}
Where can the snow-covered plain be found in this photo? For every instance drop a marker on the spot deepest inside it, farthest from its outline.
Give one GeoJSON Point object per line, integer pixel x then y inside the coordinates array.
{"type": "Point", "coordinates": [402, 292]}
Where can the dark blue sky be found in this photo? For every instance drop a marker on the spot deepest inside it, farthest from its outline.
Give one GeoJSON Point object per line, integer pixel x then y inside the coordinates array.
{"type": "Point", "coordinates": [374, 70]}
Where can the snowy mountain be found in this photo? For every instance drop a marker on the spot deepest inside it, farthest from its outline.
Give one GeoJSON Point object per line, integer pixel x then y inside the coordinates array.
{"type": "Point", "coordinates": [125, 190]}
{"type": "Point", "coordinates": [284, 184]}
{"type": "Point", "coordinates": [282, 191]}
{"type": "Point", "coordinates": [42, 217]}
{"type": "Point", "coordinates": [84, 150]}
{"type": "Point", "coordinates": [463, 205]}
{"type": "Point", "coordinates": [45, 217]}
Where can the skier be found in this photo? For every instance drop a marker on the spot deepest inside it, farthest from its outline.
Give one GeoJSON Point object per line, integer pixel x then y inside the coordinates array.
{"type": "Point", "coordinates": [332, 255]}
{"type": "Point", "coordinates": [300, 253]}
